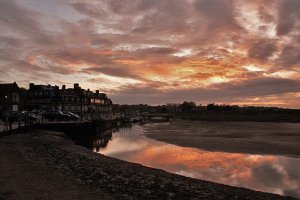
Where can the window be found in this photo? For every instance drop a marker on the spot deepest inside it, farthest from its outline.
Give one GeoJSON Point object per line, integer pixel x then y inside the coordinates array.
{"type": "Point", "coordinates": [15, 97]}
{"type": "Point", "coordinates": [15, 108]}
{"type": "Point", "coordinates": [97, 101]}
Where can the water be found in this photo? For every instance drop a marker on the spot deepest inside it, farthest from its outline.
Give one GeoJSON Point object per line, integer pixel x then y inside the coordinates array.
{"type": "Point", "coordinates": [268, 173]}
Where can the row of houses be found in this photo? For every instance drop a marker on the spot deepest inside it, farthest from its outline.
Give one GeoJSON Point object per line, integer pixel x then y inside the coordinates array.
{"type": "Point", "coordinates": [48, 97]}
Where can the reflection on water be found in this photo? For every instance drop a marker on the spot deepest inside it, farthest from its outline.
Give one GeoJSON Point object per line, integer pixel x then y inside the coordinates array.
{"type": "Point", "coordinates": [275, 174]}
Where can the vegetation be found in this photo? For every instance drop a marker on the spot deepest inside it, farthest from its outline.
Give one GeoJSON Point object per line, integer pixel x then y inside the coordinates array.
{"type": "Point", "coordinates": [214, 112]}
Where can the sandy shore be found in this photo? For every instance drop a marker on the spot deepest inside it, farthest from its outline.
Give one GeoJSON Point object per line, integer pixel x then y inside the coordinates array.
{"type": "Point", "coordinates": [45, 165]}
{"type": "Point", "coordinates": [238, 137]}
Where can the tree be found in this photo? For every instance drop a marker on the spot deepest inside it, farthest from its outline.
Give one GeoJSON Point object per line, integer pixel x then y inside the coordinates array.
{"type": "Point", "coordinates": [212, 107]}
{"type": "Point", "coordinates": [188, 106]}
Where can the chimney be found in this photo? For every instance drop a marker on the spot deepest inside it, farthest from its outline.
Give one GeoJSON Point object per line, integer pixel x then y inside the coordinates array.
{"type": "Point", "coordinates": [76, 86]}
{"type": "Point", "coordinates": [97, 91]}
{"type": "Point", "coordinates": [31, 86]}
{"type": "Point", "coordinates": [63, 87]}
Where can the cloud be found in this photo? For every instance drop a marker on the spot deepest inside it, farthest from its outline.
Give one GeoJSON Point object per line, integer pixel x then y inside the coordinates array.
{"type": "Point", "coordinates": [15, 17]}
{"type": "Point", "coordinates": [121, 71]}
{"type": "Point", "coordinates": [262, 50]}
{"type": "Point", "coordinates": [288, 17]}
{"type": "Point", "coordinates": [289, 56]}
{"type": "Point", "coordinates": [221, 93]}
{"type": "Point", "coordinates": [168, 47]}
{"type": "Point", "coordinates": [90, 9]}
{"type": "Point", "coordinates": [280, 174]}
{"type": "Point", "coordinates": [217, 13]}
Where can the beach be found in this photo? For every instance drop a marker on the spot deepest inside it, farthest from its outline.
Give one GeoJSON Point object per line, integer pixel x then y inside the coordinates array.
{"type": "Point", "coordinates": [268, 138]}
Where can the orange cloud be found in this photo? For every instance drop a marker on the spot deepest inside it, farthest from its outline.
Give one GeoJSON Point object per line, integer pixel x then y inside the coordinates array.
{"type": "Point", "coordinates": [169, 47]}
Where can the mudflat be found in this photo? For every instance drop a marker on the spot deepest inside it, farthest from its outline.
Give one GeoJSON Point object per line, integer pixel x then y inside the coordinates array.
{"type": "Point", "coordinates": [235, 137]}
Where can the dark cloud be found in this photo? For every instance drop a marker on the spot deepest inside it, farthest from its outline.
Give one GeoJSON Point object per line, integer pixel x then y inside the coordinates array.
{"type": "Point", "coordinates": [256, 87]}
{"type": "Point", "coordinates": [152, 22]}
{"type": "Point", "coordinates": [289, 56]}
{"type": "Point", "coordinates": [22, 22]}
{"type": "Point", "coordinates": [101, 42]}
{"type": "Point", "coordinates": [262, 49]}
{"type": "Point", "coordinates": [217, 13]}
{"type": "Point", "coordinates": [15, 17]}
{"type": "Point", "coordinates": [121, 71]}
{"type": "Point", "coordinates": [157, 51]}
{"type": "Point", "coordinates": [289, 16]}
{"type": "Point", "coordinates": [228, 92]}
{"type": "Point", "coordinates": [90, 10]}
{"type": "Point", "coordinates": [11, 42]}
{"type": "Point", "coordinates": [80, 56]}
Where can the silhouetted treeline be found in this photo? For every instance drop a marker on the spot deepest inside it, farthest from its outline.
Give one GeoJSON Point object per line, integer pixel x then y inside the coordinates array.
{"type": "Point", "coordinates": [214, 112]}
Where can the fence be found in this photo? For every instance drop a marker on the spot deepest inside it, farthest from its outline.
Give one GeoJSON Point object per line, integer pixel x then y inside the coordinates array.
{"type": "Point", "coordinates": [19, 126]}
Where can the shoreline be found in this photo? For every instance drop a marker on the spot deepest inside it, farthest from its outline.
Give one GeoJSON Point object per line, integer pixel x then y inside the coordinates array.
{"type": "Point", "coordinates": [226, 116]}
{"type": "Point", "coordinates": [56, 168]}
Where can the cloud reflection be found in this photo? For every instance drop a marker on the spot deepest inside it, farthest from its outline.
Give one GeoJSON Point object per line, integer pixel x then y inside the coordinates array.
{"type": "Point", "coordinates": [275, 174]}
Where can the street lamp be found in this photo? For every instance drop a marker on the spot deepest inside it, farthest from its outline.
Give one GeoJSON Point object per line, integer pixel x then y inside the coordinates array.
{"type": "Point", "coordinates": [5, 102]}
{"type": "Point", "coordinates": [5, 114]}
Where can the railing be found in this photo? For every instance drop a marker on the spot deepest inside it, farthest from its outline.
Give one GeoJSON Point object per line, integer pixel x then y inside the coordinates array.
{"type": "Point", "coordinates": [23, 124]}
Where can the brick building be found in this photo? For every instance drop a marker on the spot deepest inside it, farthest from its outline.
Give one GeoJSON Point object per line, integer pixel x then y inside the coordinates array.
{"type": "Point", "coordinates": [76, 99]}
{"type": "Point", "coordinates": [12, 97]}
{"type": "Point", "coordinates": [39, 97]}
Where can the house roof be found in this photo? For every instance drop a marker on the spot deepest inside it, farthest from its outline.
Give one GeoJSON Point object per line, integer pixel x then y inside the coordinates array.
{"type": "Point", "coordinates": [8, 88]}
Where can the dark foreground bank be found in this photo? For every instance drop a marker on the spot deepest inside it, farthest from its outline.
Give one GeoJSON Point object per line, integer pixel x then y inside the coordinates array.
{"type": "Point", "coordinates": [46, 165]}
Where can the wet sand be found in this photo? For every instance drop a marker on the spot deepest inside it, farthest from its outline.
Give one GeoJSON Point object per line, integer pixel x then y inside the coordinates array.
{"type": "Point", "coordinates": [234, 137]}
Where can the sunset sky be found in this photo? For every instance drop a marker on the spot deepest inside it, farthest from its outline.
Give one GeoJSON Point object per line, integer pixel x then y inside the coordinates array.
{"type": "Point", "coordinates": [157, 51]}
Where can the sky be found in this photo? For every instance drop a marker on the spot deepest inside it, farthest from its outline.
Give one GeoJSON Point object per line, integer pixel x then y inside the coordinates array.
{"type": "Point", "coordinates": [157, 51]}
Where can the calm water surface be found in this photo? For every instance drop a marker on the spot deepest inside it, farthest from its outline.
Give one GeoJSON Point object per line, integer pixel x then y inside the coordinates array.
{"type": "Point", "coordinates": [274, 174]}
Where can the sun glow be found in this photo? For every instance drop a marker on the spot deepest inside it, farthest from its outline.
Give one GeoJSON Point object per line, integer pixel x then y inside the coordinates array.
{"type": "Point", "coordinates": [216, 80]}
{"type": "Point", "coordinates": [282, 74]}
{"type": "Point", "coordinates": [185, 53]}
{"type": "Point", "coordinates": [253, 68]}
